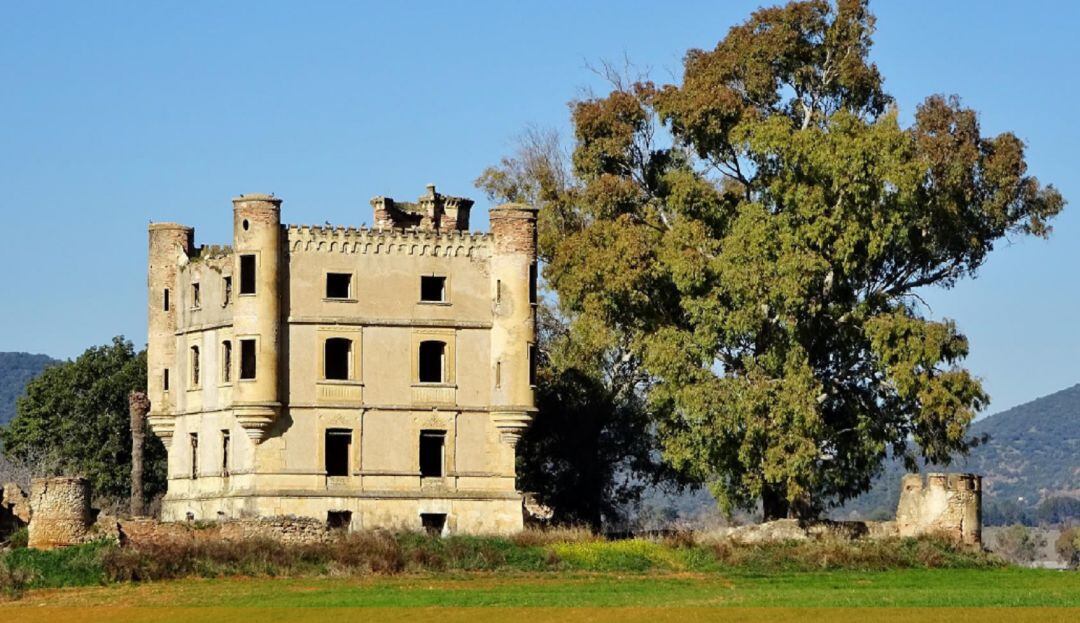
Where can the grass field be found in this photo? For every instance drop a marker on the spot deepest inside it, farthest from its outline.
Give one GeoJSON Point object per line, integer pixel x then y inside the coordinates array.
{"type": "Point", "coordinates": [411, 578]}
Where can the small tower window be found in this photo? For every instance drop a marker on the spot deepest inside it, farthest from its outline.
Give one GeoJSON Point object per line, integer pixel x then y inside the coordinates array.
{"type": "Point", "coordinates": [247, 274]}
{"type": "Point", "coordinates": [532, 283]}
{"type": "Point", "coordinates": [498, 291]}
{"type": "Point", "coordinates": [165, 379]}
{"type": "Point", "coordinates": [337, 356]}
{"type": "Point", "coordinates": [194, 366]}
{"type": "Point", "coordinates": [338, 441]}
{"type": "Point", "coordinates": [225, 438]}
{"type": "Point", "coordinates": [432, 361]}
{"type": "Point", "coordinates": [226, 287]}
{"type": "Point", "coordinates": [532, 364]}
{"type": "Point", "coordinates": [247, 359]}
{"type": "Point", "coordinates": [432, 446]}
{"type": "Point", "coordinates": [196, 296]}
{"type": "Point", "coordinates": [165, 300]}
{"type": "Point", "coordinates": [193, 440]}
{"type": "Point", "coordinates": [432, 289]}
{"type": "Point", "coordinates": [338, 285]}
{"type": "Point", "coordinates": [226, 361]}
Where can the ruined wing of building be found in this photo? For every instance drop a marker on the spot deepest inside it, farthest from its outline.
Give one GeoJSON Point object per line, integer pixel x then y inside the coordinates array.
{"type": "Point", "coordinates": [372, 378]}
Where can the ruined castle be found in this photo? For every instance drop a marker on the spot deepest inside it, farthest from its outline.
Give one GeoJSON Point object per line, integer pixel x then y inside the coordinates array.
{"type": "Point", "coordinates": [366, 377]}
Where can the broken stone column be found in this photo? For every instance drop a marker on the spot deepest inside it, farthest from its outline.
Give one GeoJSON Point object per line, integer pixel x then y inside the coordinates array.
{"type": "Point", "coordinates": [61, 512]}
{"type": "Point", "coordinates": [138, 407]}
{"type": "Point", "coordinates": [947, 504]}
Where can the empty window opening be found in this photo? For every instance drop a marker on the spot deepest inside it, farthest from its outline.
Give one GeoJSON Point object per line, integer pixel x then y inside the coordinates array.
{"type": "Point", "coordinates": [338, 285]}
{"type": "Point", "coordinates": [532, 283]}
{"type": "Point", "coordinates": [225, 453]}
{"type": "Point", "coordinates": [247, 274]}
{"type": "Point", "coordinates": [226, 361]}
{"type": "Point", "coordinates": [193, 439]}
{"type": "Point", "coordinates": [432, 445]}
{"type": "Point", "coordinates": [226, 287]}
{"type": "Point", "coordinates": [247, 359]}
{"type": "Point", "coordinates": [196, 296]}
{"type": "Point", "coordinates": [498, 290]}
{"type": "Point", "coordinates": [165, 300]}
{"type": "Point", "coordinates": [432, 289]}
{"type": "Point", "coordinates": [532, 364]}
{"type": "Point", "coordinates": [338, 441]}
{"type": "Point", "coordinates": [194, 365]}
{"type": "Point", "coordinates": [338, 520]}
{"type": "Point", "coordinates": [337, 356]}
{"type": "Point", "coordinates": [498, 374]}
{"type": "Point", "coordinates": [165, 379]}
{"type": "Point", "coordinates": [433, 523]}
{"type": "Point", "coordinates": [432, 361]}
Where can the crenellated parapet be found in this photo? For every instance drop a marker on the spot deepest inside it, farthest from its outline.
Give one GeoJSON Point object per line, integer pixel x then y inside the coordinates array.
{"type": "Point", "coordinates": [432, 211]}
{"type": "Point", "coordinates": [376, 241]}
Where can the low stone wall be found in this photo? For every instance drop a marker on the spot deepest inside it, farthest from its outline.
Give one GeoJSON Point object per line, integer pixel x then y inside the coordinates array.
{"type": "Point", "coordinates": [61, 512]}
{"type": "Point", "coordinates": [286, 529]}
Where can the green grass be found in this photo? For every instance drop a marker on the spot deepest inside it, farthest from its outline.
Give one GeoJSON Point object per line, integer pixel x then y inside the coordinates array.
{"type": "Point", "coordinates": [936, 588]}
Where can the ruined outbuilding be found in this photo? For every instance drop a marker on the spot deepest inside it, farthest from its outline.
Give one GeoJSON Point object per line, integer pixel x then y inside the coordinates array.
{"type": "Point", "coordinates": [945, 504]}
{"type": "Point", "coordinates": [365, 377]}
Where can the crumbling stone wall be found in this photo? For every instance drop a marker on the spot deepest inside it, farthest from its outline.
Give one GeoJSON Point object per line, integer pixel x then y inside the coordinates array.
{"type": "Point", "coordinates": [283, 528]}
{"type": "Point", "coordinates": [14, 509]}
{"type": "Point", "coordinates": [61, 512]}
{"type": "Point", "coordinates": [947, 504]}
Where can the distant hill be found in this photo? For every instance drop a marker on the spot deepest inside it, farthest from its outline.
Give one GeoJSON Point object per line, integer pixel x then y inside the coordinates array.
{"type": "Point", "coordinates": [16, 370]}
{"type": "Point", "coordinates": [1033, 453]}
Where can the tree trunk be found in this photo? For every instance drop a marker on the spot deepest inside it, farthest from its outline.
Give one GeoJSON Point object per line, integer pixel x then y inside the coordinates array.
{"type": "Point", "coordinates": [774, 504]}
{"type": "Point", "coordinates": [138, 407]}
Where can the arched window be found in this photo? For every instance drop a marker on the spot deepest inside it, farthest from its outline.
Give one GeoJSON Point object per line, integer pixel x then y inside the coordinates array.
{"type": "Point", "coordinates": [337, 356]}
{"type": "Point", "coordinates": [432, 361]}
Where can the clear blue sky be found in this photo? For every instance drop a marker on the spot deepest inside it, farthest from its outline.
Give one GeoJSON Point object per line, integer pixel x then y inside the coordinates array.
{"type": "Point", "coordinates": [114, 114]}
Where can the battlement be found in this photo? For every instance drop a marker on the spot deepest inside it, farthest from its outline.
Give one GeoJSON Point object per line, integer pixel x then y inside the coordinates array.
{"type": "Point", "coordinates": [396, 241]}
{"type": "Point", "coordinates": [432, 211]}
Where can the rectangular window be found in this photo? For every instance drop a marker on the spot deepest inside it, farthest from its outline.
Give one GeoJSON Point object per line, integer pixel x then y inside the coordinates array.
{"type": "Point", "coordinates": [432, 444]}
{"type": "Point", "coordinates": [226, 361]}
{"type": "Point", "coordinates": [247, 274]}
{"type": "Point", "coordinates": [194, 366]}
{"type": "Point", "coordinates": [432, 364]}
{"type": "Point", "coordinates": [225, 438]}
{"type": "Point", "coordinates": [247, 359]}
{"type": "Point", "coordinates": [338, 285]}
{"type": "Point", "coordinates": [338, 441]}
{"type": "Point", "coordinates": [432, 289]}
{"type": "Point", "coordinates": [193, 439]}
{"type": "Point", "coordinates": [498, 374]}
{"type": "Point", "coordinates": [433, 523]}
{"type": "Point", "coordinates": [196, 296]}
{"type": "Point", "coordinates": [165, 379]}
{"type": "Point", "coordinates": [226, 288]}
{"type": "Point", "coordinates": [532, 283]}
{"type": "Point", "coordinates": [498, 290]}
{"type": "Point", "coordinates": [165, 300]}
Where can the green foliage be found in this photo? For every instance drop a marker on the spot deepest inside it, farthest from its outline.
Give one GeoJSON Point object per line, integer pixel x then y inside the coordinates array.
{"type": "Point", "coordinates": [16, 370]}
{"type": "Point", "coordinates": [763, 268]}
{"type": "Point", "coordinates": [74, 419]}
{"type": "Point", "coordinates": [1019, 544]}
{"type": "Point", "coordinates": [78, 565]}
{"type": "Point", "coordinates": [19, 538]}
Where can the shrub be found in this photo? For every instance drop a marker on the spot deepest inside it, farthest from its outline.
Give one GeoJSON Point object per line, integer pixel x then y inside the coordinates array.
{"type": "Point", "coordinates": [1019, 544]}
{"type": "Point", "coordinates": [13, 580]}
{"type": "Point", "coordinates": [19, 538]}
{"type": "Point", "coordinates": [1068, 546]}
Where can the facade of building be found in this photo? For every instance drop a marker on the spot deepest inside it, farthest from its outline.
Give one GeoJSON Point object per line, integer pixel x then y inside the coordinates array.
{"type": "Point", "coordinates": [372, 378]}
